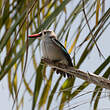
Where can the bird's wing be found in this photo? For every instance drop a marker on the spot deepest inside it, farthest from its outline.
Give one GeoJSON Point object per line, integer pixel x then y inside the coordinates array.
{"type": "Point", "coordinates": [59, 45]}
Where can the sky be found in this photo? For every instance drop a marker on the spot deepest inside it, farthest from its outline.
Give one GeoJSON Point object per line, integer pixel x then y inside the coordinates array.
{"type": "Point", "coordinates": [91, 63]}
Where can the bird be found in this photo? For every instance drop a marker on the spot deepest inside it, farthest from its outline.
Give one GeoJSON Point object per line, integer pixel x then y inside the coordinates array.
{"type": "Point", "coordinates": [53, 49]}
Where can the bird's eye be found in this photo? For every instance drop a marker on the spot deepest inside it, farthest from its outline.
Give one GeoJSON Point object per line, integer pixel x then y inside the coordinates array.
{"type": "Point", "coordinates": [44, 33]}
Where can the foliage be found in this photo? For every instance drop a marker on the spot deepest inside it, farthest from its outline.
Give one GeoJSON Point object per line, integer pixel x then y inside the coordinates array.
{"type": "Point", "coordinates": [18, 18]}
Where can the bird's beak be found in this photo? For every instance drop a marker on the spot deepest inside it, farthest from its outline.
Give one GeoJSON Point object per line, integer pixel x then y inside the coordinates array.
{"type": "Point", "coordinates": [35, 35]}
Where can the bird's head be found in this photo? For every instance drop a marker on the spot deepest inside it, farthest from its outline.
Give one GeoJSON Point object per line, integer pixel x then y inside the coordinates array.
{"type": "Point", "coordinates": [43, 34]}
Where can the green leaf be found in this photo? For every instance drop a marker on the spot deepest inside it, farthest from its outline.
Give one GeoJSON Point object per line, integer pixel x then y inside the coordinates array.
{"type": "Point", "coordinates": [38, 82]}
{"type": "Point", "coordinates": [53, 93]}
{"type": "Point", "coordinates": [66, 91]}
{"type": "Point", "coordinates": [97, 99]}
{"type": "Point", "coordinates": [11, 30]}
{"type": "Point", "coordinates": [46, 90]}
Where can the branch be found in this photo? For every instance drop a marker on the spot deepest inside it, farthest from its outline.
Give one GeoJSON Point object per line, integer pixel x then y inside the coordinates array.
{"type": "Point", "coordinates": [90, 77]}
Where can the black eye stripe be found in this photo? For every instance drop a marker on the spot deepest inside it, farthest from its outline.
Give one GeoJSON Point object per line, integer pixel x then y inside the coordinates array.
{"type": "Point", "coordinates": [40, 34]}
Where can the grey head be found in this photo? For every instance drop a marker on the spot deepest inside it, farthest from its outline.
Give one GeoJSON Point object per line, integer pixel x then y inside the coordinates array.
{"type": "Point", "coordinates": [45, 34]}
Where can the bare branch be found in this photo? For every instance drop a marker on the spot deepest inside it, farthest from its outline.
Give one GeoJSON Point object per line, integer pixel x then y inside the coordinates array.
{"type": "Point", "coordinates": [90, 77]}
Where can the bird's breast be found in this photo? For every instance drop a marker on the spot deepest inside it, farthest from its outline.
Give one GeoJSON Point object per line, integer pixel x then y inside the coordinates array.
{"type": "Point", "coordinates": [52, 52]}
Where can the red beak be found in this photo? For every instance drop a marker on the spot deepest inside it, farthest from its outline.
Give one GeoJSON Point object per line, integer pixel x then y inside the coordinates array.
{"type": "Point", "coordinates": [35, 35]}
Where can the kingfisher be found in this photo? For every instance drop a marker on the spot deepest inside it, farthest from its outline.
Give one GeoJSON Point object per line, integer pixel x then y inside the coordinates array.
{"type": "Point", "coordinates": [53, 49]}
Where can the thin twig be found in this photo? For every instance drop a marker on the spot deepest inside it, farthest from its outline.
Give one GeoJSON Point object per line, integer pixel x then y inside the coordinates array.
{"type": "Point", "coordinates": [11, 48]}
{"type": "Point", "coordinates": [100, 54]}
{"type": "Point", "coordinates": [26, 17]}
{"type": "Point", "coordinates": [23, 69]}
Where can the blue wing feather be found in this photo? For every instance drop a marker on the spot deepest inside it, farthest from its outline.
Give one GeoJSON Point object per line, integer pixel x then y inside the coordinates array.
{"type": "Point", "coordinates": [64, 50]}
{"type": "Point", "coordinates": [60, 45]}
